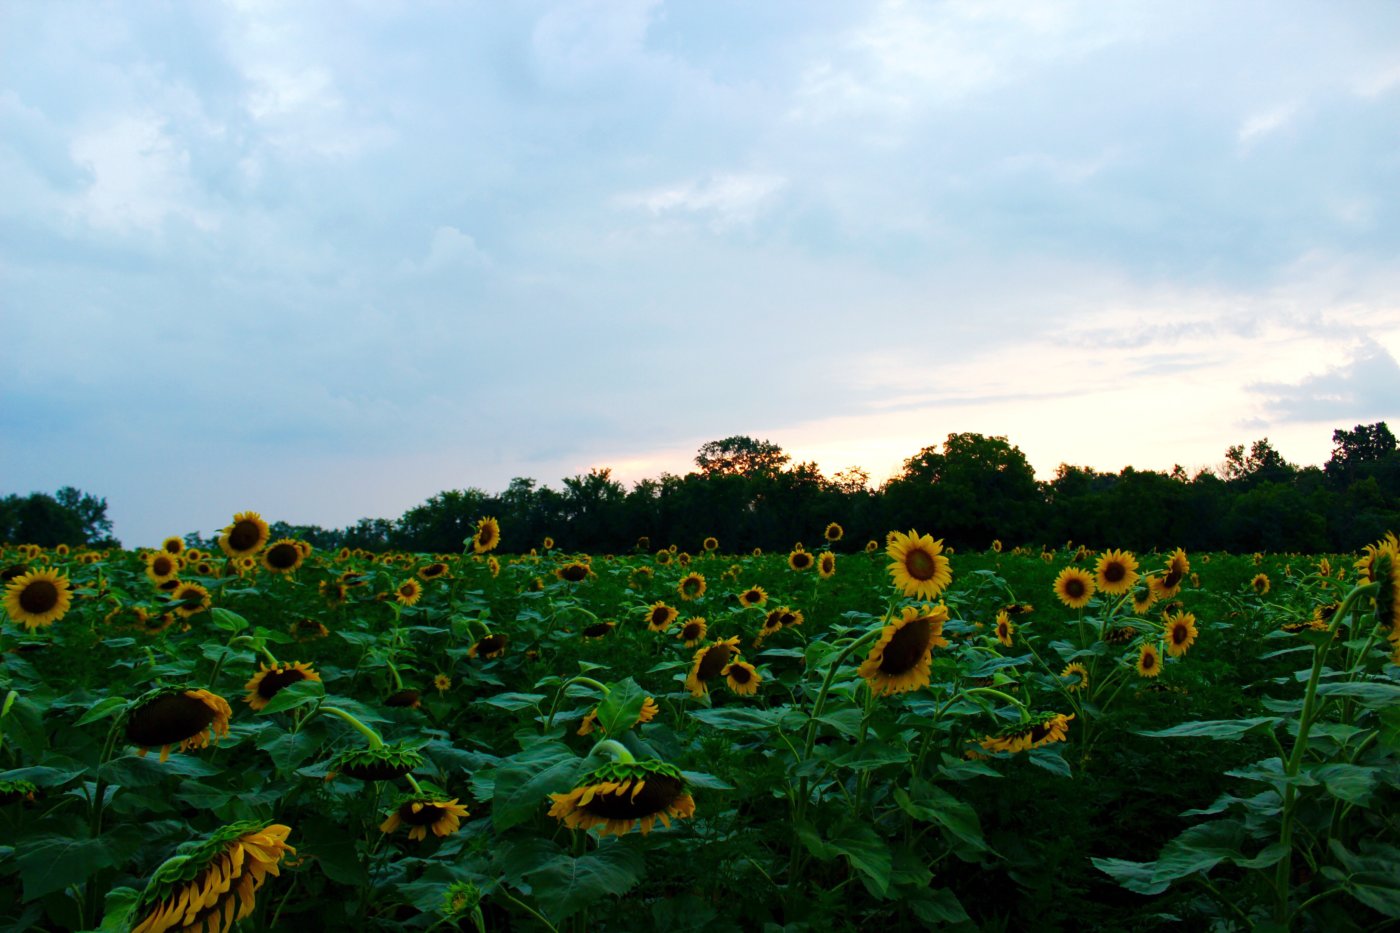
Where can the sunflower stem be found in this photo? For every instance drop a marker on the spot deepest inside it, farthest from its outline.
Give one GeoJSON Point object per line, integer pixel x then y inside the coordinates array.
{"type": "Point", "coordinates": [370, 735]}
{"type": "Point", "coordinates": [525, 907]}
{"type": "Point", "coordinates": [617, 749]}
{"type": "Point", "coordinates": [394, 673]}
{"type": "Point", "coordinates": [413, 783]}
{"type": "Point", "coordinates": [1025, 712]}
{"type": "Point", "coordinates": [819, 704]}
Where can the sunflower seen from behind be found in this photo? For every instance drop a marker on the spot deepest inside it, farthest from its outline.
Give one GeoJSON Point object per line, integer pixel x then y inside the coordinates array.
{"type": "Point", "coordinates": [625, 795]}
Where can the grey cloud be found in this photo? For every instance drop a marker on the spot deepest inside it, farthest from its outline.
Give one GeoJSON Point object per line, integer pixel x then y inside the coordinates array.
{"type": "Point", "coordinates": [1367, 386]}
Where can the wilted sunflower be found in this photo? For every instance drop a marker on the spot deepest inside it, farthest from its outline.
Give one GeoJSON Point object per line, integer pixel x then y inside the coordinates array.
{"type": "Point", "coordinates": [492, 646]}
{"type": "Point", "coordinates": [619, 796]}
{"type": "Point", "coordinates": [1180, 633]}
{"type": "Point", "coordinates": [919, 567]}
{"type": "Point", "coordinates": [573, 572]}
{"type": "Point", "coordinates": [709, 663]}
{"type": "Point", "coordinates": [215, 885]}
{"type": "Point", "coordinates": [381, 763]}
{"type": "Point", "coordinates": [1260, 583]}
{"type": "Point", "coordinates": [269, 681]}
{"type": "Point", "coordinates": [488, 535]}
{"type": "Point", "coordinates": [1149, 662]}
{"type": "Point", "coordinates": [691, 586]}
{"type": "Point", "coordinates": [901, 658]}
{"type": "Point", "coordinates": [834, 532]}
{"type": "Point", "coordinates": [743, 678]}
{"type": "Point", "coordinates": [598, 629]}
{"type": "Point", "coordinates": [421, 814]}
{"type": "Point", "coordinates": [408, 592]}
{"type": "Point", "coordinates": [660, 616]}
{"type": "Point", "coordinates": [406, 698]}
{"type": "Point", "coordinates": [1077, 675]}
{"type": "Point", "coordinates": [1116, 572]}
{"type": "Point", "coordinates": [753, 596]}
{"type": "Point", "coordinates": [434, 570]}
{"type": "Point", "coordinates": [710, 544]}
{"type": "Point", "coordinates": [1074, 587]}
{"type": "Point", "coordinates": [826, 565]}
{"type": "Point", "coordinates": [1004, 629]}
{"type": "Point", "coordinates": [1042, 729]}
{"type": "Point", "coordinates": [246, 535]}
{"type": "Point", "coordinates": [161, 566]}
{"type": "Point", "coordinates": [170, 716]}
{"type": "Point", "coordinates": [693, 631]}
{"type": "Point", "coordinates": [189, 599]}
{"type": "Point", "coordinates": [799, 559]}
{"type": "Point", "coordinates": [37, 598]}
{"type": "Point", "coordinates": [283, 556]}
{"type": "Point", "coordinates": [647, 714]}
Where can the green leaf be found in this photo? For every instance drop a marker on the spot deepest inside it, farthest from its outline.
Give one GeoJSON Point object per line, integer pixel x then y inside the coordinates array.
{"type": "Point", "coordinates": [845, 721]}
{"type": "Point", "coordinates": [933, 804]}
{"type": "Point", "coordinates": [620, 708]}
{"type": "Point", "coordinates": [565, 884]}
{"type": "Point", "coordinates": [1050, 758]}
{"type": "Point", "coordinates": [116, 917]}
{"type": "Point", "coordinates": [288, 749]}
{"type": "Point", "coordinates": [522, 788]}
{"type": "Point", "coordinates": [1351, 783]}
{"type": "Point", "coordinates": [1140, 877]}
{"type": "Point", "coordinates": [294, 695]}
{"type": "Point", "coordinates": [866, 851]}
{"type": "Point", "coordinates": [514, 702]}
{"type": "Point", "coordinates": [1200, 848]}
{"type": "Point", "coordinates": [228, 620]}
{"type": "Point", "coordinates": [872, 756]}
{"type": "Point", "coordinates": [939, 907]}
{"type": "Point", "coordinates": [51, 862]}
{"type": "Point", "coordinates": [1375, 695]}
{"type": "Point", "coordinates": [1218, 728]}
{"type": "Point", "coordinates": [134, 771]}
{"type": "Point", "coordinates": [738, 719]}
{"type": "Point", "coordinates": [705, 781]}
{"type": "Point", "coordinates": [102, 709]}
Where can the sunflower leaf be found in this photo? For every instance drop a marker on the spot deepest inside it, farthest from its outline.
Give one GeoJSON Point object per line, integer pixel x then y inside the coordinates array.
{"type": "Point", "coordinates": [738, 719]}
{"type": "Point", "coordinates": [294, 695]}
{"type": "Point", "coordinates": [1217, 728]}
{"type": "Point", "coordinates": [957, 819]}
{"type": "Point", "coordinates": [102, 709]}
{"type": "Point", "coordinates": [564, 884]}
{"type": "Point", "coordinates": [621, 707]}
{"type": "Point", "coordinates": [522, 787]}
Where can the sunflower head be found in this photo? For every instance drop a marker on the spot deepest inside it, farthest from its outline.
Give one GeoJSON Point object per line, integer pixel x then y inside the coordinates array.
{"type": "Point", "coordinates": [1074, 677]}
{"type": "Point", "coordinates": [902, 657]}
{"type": "Point", "coordinates": [407, 698]}
{"type": "Point", "coordinates": [179, 716]}
{"type": "Point", "coordinates": [306, 629]}
{"type": "Point", "coordinates": [434, 571]}
{"type": "Point", "coordinates": [691, 586]}
{"type": "Point", "coordinates": [646, 714]}
{"type": "Point", "coordinates": [173, 545]}
{"type": "Point", "coordinates": [660, 616]}
{"type": "Point", "coordinates": [710, 544]}
{"type": "Point", "coordinates": [283, 556]}
{"type": "Point", "coordinates": [247, 534]}
{"type": "Point", "coordinates": [408, 592]}
{"type": "Point", "coordinates": [423, 813]}
{"type": "Point", "coordinates": [488, 535]}
{"type": "Point", "coordinates": [189, 599]}
{"type": "Point", "coordinates": [598, 629]}
{"type": "Point", "coordinates": [743, 678]}
{"type": "Point", "coordinates": [996, 545]}
{"type": "Point", "coordinates": [385, 763]}
{"type": "Point", "coordinates": [547, 543]}
{"type": "Point", "coordinates": [162, 565]}
{"type": "Point", "coordinates": [1180, 633]}
{"type": "Point", "coordinates": [834, 532]}
{"type": "Point", "coordinates": [693, 631]}
{"type": "Point", "coordinates": [753, 596]}
{"type": "Point", "coordinates": [1116, 572]}
{"type": "Point", "coordinates": [622, 796]}
{"type": "Point", "coordinates": [1260, 584]}
{"type": "Point", "coordinates": [492, 646]}
{"type": "Point", "coordinates": [1149, 663]}
{"type": "Point", "coordinates": [799, 559]}
{"type": "Point", "coordinates": [709, 664]}
{"type": "Point", "coordinates": [269, 681]}
{"type": "Point", "coordinates": [1074, 587]}
{"type": "Point", "coordinates": [664, 557]}
{"type": "Point", "coordinates": [37, 598]}
{"type": "Point", "coordinates": [574, 572]}
{"type": "Point", "coordinates": [918, 566]}
{"type": "Point", "coordinates": [1381, 566]}
{"type": "Point", "coordinates": [1004, 629]}
{"type": "Point", "coordinates": [1040, 729]}
{"type": "Point", "coordinates": [826, 565]}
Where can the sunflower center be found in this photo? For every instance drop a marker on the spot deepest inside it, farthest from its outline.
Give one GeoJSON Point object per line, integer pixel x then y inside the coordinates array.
{"type": "Point", "coordinates": [39, 597]}
{"type": "Point", "coordinates": [908, 646]}
{"type": "Point", "coordinates": [920, 565]}
{"type": "Point", "coordinates": [1172, 578]}
{"type": "Point", "coordinates": [426, 815]}
{"type": "Point", "coordinates": [658, 616]}
{"type": "Point", "coordinates": [168, 719]}
{"type": "Point", "coordinates": [1114, 572]}
{"type": "Point", "coordinates": [1149, 661]}
{"type": "Point", "coordinates": [273, 681]}
{"type": "Point", "coordinates": [575, 572]}
{"type": "Point", "coordinates": [659, 793]}
{"type": "Point", "coordinates": [1074, 588]}
{"type": "Point", "coordinates": [740, 674]}
{"type": "Point", "coordinates": [244, 535]}
{"type": "Point", "coordinates": [691, 631]}
{"type": "Point", "coordinates": [1179, 634]}
{"type": "Point", "coordinates": [283, 556]}
{"type": "Point", "coordinates": [597, 631]}
{"type": "Point", "coordinates": [715, 659]}
{"type": "Point", "coordinates": [162, 566]}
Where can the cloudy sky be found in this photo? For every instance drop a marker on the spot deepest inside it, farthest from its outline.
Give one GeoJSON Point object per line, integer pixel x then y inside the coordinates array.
{"type": "Point", "coordinates": [325, 259]}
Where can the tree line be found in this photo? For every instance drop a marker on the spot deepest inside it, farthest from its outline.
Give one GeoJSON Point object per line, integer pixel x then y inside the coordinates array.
{"type": "Point", "coordinates": [969, 490]}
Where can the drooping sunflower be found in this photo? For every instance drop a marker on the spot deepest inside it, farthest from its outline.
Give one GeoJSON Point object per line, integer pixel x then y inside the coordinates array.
{"type": "Point", "coordinates": [753, 596]}
{"type": "Point", "coordinates": [660, 616]}
{"type": "Point", "coordinates": [269, 681]}
{"type": "Point", "coordinates": [382, 763]}
{"type": "Point", "coordinates": [919, 567]}
{"type": "Point", "coordinates": [407, 698]}
{"type": "Point", "coordinates": [1149, 663]}
{"type": "Point", "coordinates": [434, 571]}
{"type": "Point", "coordinates": [826, 565]}
{"type": "Point", "coordinates": [170, 716]}
{"type": "Point", "coordinates": [574, 572]}
{"type": "Point", "coordinates": [283, 556]}
{"type": "Point", "coordinates": [189, 600]}
{"type": "Point", "coordinates": [710, 544]}
{"type": "Point", "coordinates": [834, 532]}
{"type": "Point", "coordinates": [488, 535]}
{"type": "Point", "coordinates": [1041, 729]}
{"type": "Point", "coordinates": [901, 658]}
{"type": "Point", "coordinates": [1077, 676]}
{"type": "Point", "coordinates": [246, 535]}
{"type": "Point", "coordinates": [492, 646]}
{"type": "Point", "coordinates": [709, 663]}
{"type": "Point", "coordinates": [621, 796]}
{"type": "Point", "coordinates": [421, 814]}
{"type": "Point", "coordinates": [693, 631]}
{"type": "Point", "coordinates": [598, 629]}
{"type": "Point", "coordinates": [161, 566]}
{"type": "Point", "coordinates": [1074, 587]}
{"type": "Point", "coordinates": [1260, 583]}
{"type": "Point", "coordinates": [215, 885]}
{"type": "Point", "coordinates": [799, 559]}
{"type": "Point", "coordinates": [37, 598]}
{"type": "Point", "coordinates": [1005, 629]}
{"type": "Point", "coordinates": [1116, 572]}
{"type": "Point", "coordinates": [647, 714]}
{"type": "Point", "coordinates": [494, 566]}
{"type": "Point", "coordinates": [691, 586]}
{"type": "Point", "coordinates": [743, 678]}
{"type": "Point", "coordinates": [408, 592]}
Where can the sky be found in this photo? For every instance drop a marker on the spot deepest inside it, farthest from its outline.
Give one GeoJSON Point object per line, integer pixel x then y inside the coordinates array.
{"type": "Point", "coordinates": [325, 259]}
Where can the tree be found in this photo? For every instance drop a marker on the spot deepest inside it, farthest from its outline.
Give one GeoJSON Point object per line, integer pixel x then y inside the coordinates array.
{"type": "Point", "coordinates": [1366, 443]}
{"type": "Point", "coordinates": [1263, 463]}
{"type": "Point", "coordinates": [70, 517]}
{"type": "Point", "coordinates": [977, 489]}
{"type": "Point", "coordinates": [740, 455]}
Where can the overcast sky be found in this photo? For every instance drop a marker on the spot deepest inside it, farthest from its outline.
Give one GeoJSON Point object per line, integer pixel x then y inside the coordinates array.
{"type": "Point", "coordinates": [326, 259]}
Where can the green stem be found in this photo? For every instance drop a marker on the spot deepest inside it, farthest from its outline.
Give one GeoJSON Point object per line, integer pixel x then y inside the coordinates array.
{"type": "Point", "coordinates": [1025, 713]}
{"type": "Point", "coordinates": [525, 907]}
{"type": "Point", "coordinates": [370, 735]}
{"type": "Point", "coordinates": [820, 703]}
{"type": "Point", "coordinates": [414, 784]}
{"type": "Point", "coordinates": [617, 749]}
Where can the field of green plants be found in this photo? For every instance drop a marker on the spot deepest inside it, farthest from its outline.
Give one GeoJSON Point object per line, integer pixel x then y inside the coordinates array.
{"type": "Point", "coordinates": [850, 735]}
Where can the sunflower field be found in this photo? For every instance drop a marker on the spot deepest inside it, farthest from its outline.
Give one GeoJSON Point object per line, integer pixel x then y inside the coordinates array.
{"type": "Point", "coordinates": [881, 734]}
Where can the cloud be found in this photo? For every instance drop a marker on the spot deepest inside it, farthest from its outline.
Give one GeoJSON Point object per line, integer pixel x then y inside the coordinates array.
{"type": "Point", "coordinates": [140, 177]}
{"type": "Point", "coordinates": [1365, 386]}
{"type": "Point", "coordinates": [726, 199]}
{"type": "Point", "coordinates": [450, 249]}
{"type": "Point", "coordinates": [1266, 122]}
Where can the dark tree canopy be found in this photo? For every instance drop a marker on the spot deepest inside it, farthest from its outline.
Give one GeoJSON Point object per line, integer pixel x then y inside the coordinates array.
{"type": "Point", "coordinates": [740, 455]}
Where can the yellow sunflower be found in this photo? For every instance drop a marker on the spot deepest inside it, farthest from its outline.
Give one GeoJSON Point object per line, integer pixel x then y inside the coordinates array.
{"type": "Point", "coordinates": [492, 646]}
{"type": "Point", "coordinates": [799, 559]}
{"type": "Point", "coordinates": [307, 629]}
{"type": "Point", "coordinates": [408, 592]}
{"type": "Point", "coordinates": [872, 546]}
{"type": "Point", "coordinates": [598, 630]}
{"type": "Point", "coordinates": [1116, 572]}
{"type": "Point", "coordinates": [1180, 633]}
{"type": "Point", "coordinates": [996, 545]}
{"type": "Point", "coordinates": [494, 566]}
{"type": "Point", "coordinates": [269, 681]}
{"type": "Point", "coordinates": [1074, 587]}
{"type": "Point", "coordinates": [434, 571]}
{"type": "Point", "coordinates": [37, 598]}
{"type": "Point", "coordinates": [173, 545]}
{"type": "Point", "coordinates": [710, 544]}
{"type": "Point", "coordinates": [1382, 567]}
{"type": "Point", "coordinates": [834, 533]}
{"type": "Point", "coordinates": [488, 535]}
{"type": "Point", "coordinates": [1024, 736]}
{"type": "Point", "coordinates": [1260, 583]}
{"type": "Point", "coordinates": [660, 616]}
{"type": "Point", "coordinates": [574, 572]}
{"type": "Point", "coordinates": [1005, 629]}
{"type": "Point", "coordinates": [692, 586]}
{"type": "Point", "coordinates": [1144, 596]}
{"type": "Point", "coordinates": [1077, 676]}
{"type": "Point", "coordinates": [548, 543]}
{"type": "Point", "coordinates": [901, 659]}
{"type": "Point", "coordinates": [421, 814]}
{"type": "Point", "coordinates": [826, 565]}
{"type": "Point", "coordinates": [743, 678]}
{"type": "Point", "coordinates": [246, 535]}
{"type": "Point", "coordinates": [622, 796]}
{"type": "Point", "coordinates": [189, 599]}
{"type": "Point", "coordinates": [919, 567]}
{"type": "Point", "coordinates": [709, 663]}
{"type": "Point", "coordinates": [283, 556]}
{"type": "Point", "coordinates": [1149, 662]}
{"type": "Point", "coordinates": [753, 596]}
{"type": "Point", "coordinates": [170, 716]}
{"type": "Point", "coordinates": [1169, 584]}
{"type": "Point", "coordinates": [663, 557]}
{"type": "Point", "coordinates": [693, 631]}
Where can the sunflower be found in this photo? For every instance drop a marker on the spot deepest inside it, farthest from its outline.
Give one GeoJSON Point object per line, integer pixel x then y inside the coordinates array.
{"type": "Point", "coordinates": [488, 535]}
{"type": "Point", "coordinates": [442, 683]}
{"type": "Point", "coordinates": [1074, 587]}
{"type": "Point", "coordinates": [901, 658]}
{"type": "Point", "coordinates": [1116, 572]}
{"type": "Point", "coordinates": [647, 714]}
{"type": "Point", "coordinates": [246, 535]}
{"type": "Point", "coordinates": [283, 556]}
{"type": "Point", "coordinates": [660, 616]}
{"type": "Point", "coordinates": [693, 631]}
{"type": "Point", "coordinates": [1180, 633]}
{"type": "Point", "coordinates": [1144, 596]}
{"type": "Point", "coordinates": [37, 598]}
{"type": "Point", "coordinates": [189, 599]}
{"type": "Point", "coordinates": [826, 565]}
{"type": "Point", "coordinates": [872, 546]}
{"type": "Point", "coordinates": [170, 716]}
{"type": "Point", "coordinates": [663, 557]}
{"type": "Point", "coordinates": [598, 629]}
{"type": "Point", "coordinates": [996, 545]}
{"type": "Point", "coordinates": [492, 646]}
{"type": "Point", "coordinates": [421, 814]}
{"type": "Point", "coordinates": [269, 681]}
{"type": "Point", "coordinates": [548, 543]}
{"type": "Point", "coordinates": [1078, 676]}
{"type": "Point", "coordinates": [215, 885]}
{"type": "Point", "coordinates": [743, 678]}
{"type": "Point", "coordinates": [173, 545]}
{"type": "Point", "coordinates": [710, 544]}
{"type": "Point", "coordinates": [799, 559]}
{"type": "Point", "coordinates": [307, 629]}
{"type": "Point", "coordinates": [691, 586]}
{"type": "Point", "coordinates": [1042, 729]}
{"type": "Point", "coordinates": [13, 791]}
{"type": "Point", "coordinates": [1169, 584]}
{"type": "Point", "coordinates": [834, 533]}
{"type": "Point", "coordinates": [334, 591]}
{"type": "Point", "coordinates": [433, 571]}
{"type": "Point", "coordinates": [161, 566]}
{"type": "Point", "coordinates": [644, 542]}
{"type": "Point", "coordinates": [710, 663]}
{"type": "Point", "coordinates": [1149, 663]}
{"type": "Point", "coordinates": [1005, 629]}
{"type": "Point", "coordinates": [408, 592]}
{"type": "Point", "coordinates": [620, 796]}
{"type": "Point", "coordinates": [919, 567]}
{"type": "Point", "coordinates": [753, 596]}
{"type": "Point", "coordinates": [494, 566]}
{"type": "Point", "coordinates": [1260, 583]}
{"type": "Point", "coordinates": [407, 698]}
{"type": "Point", "coordinates": [382, 763]}
{"type": "Point", "coordinates": [1384, 570]}
{"type": "Point", "coordinates": [573, 572]}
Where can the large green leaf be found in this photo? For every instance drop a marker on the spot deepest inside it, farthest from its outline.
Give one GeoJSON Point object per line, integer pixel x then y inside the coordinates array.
{"type": "Point", "coordinates": [932, 804]}
{"type": "Point", "coordinates": [1218, 728]}
{"type": "Point", "coordinates": [738, 719]}
{"type": "Point", "coordinates": [52, 861]}
{"type": "Point", "coordinates": [523, 786]}
{"type": "Point", "coordinates": [620, 708]}
{"type": "Point", "coordinates": [858, 842]}
{"type": "Point", "coordinates": [564, 884]}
